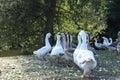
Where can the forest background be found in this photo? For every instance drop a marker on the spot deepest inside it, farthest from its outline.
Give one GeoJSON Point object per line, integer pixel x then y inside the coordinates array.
{"type": "Point", "coordinates": [24, 23]}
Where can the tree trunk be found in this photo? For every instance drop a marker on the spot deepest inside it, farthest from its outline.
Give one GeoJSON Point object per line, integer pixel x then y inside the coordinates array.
{"type": "Point", "coordinates": [50, 14]}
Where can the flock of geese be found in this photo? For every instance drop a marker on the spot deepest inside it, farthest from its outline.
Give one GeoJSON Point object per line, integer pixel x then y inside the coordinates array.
{"type": "Point", "coordinates": [82, 54]}
{"type": "Point", "coordinates": [108, 44]}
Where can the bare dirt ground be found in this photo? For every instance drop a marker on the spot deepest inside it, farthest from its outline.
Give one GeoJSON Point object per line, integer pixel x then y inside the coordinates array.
{"type": "Point", "coordinates": [32, 68]}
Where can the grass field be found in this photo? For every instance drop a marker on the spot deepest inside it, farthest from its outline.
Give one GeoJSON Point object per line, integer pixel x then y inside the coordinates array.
{"type": "Point", "coordinates": [32, 68]}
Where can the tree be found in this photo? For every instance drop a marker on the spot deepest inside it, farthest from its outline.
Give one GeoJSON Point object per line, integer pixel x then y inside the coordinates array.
{"type": "Point", "coordinates": [50, 15]}
{"type": "Point", "coordinates": [25, 23]}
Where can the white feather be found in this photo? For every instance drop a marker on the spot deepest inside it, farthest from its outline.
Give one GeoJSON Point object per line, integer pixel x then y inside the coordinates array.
{"type": "Point", "coordinates": [57, 49]}
{"type": "Point", "coordinates": [84, 57]}
{"type": "Point", "coordinates": [45, 49]}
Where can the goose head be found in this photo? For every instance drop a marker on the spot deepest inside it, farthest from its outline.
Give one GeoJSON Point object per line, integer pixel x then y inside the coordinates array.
{"type": "Point", "coordinates": [59, 33]}
{"type": "Point", "coordinates": [79, 38]}
{"type": "Point", "coordinates": [95, 39]}
{"type": "Point", "coordinates": [58, 36]}
{"type": "Point", "coordinates": [58, 41]}
{"type": "Point", "coordinates": [48, 35]}
{"type": "Point", "coordinates": [62, 34]}
{"type": "Point", "coordinates": [79, 41]}
{"type": "Point", "coordinates": [83, 35]}
{"type": "Point", "coordinates": [105, 41]}
{"type": "Point", "coordinates": [104, 37]}
{"type": "Point", "coordinates": [110, 39]}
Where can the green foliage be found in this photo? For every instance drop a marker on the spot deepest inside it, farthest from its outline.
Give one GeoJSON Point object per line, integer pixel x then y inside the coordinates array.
{"type": "Point", "coordinates": [23, 22]}
{"type": "Point", "coordinates": [74, 15]}
{"type": "Point", "coordinates": [20, 23]}
{"type": "Point", "coordinates": [90, 16]}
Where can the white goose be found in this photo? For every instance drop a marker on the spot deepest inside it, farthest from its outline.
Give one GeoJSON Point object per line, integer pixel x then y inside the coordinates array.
{"type": "Point", "coordinates": [85, 57]}
{"type": "Point", "coordinates": [75, 54]}
{"type": "Point", "coordinates": [105, 41]}
{"type": "Point", "coordinates": [118, 47]}
{"type": "Point", "coordinates": [98, 45]}
{"type": "Point", "coordinates": [57, 49]}
{"type": "Point", "coordinates": [44, 50]}
{"type": "Point", "coordinates": [113, 46]}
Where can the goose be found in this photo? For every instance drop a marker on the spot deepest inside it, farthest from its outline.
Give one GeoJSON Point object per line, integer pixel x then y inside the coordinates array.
{"type": "Point", "coordinates": [69, 41]}
{"type": "Point", "coordinates": [118, 36]}
{"type": "Point", "coordinates": [77, 49]}
{"type": "Point", "coordinates": [85, 58]}
{"type": "Point", "coordinates": [118, 47]}
{"type": "Point", "coordinates": [113, 46]}
{"type": "Point", "coordinates": [57, 49]}
{"type": "Point", "coordinates": [98, 45]}
{"type": "Point", "coordinates": [68, 51]}
{"type": "Point", "coordinates": [72, 45]}
{"type": "Point", "coordinates": [109, 43]}
{"type": "Point", "coordinates": [45, 49]}
{"type": "Point", "coordinates": [65, 43]}
{"type": "Point", "coordinates": [105, 41]}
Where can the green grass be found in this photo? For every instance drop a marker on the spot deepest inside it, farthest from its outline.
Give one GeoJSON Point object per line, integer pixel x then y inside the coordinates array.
{"type": "Point", "coordinates": [30, 67]}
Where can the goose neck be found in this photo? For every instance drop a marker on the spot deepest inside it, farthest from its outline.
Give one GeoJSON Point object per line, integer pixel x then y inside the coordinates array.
{"type": "Point", "coordinates": [58, 41]}
{"type": "Point", "coordinates": [68, 39]}
{"type": "Point", "coordinates": [110, 41]}
{"type": "Point", "coordinates": [79, 42]}
{"type": "Point", "coordinates": [47, 43]}
{"type": "Point", "coordinates": [84, 42]}
{"type": "Point", "coordinates": [64, 42]}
